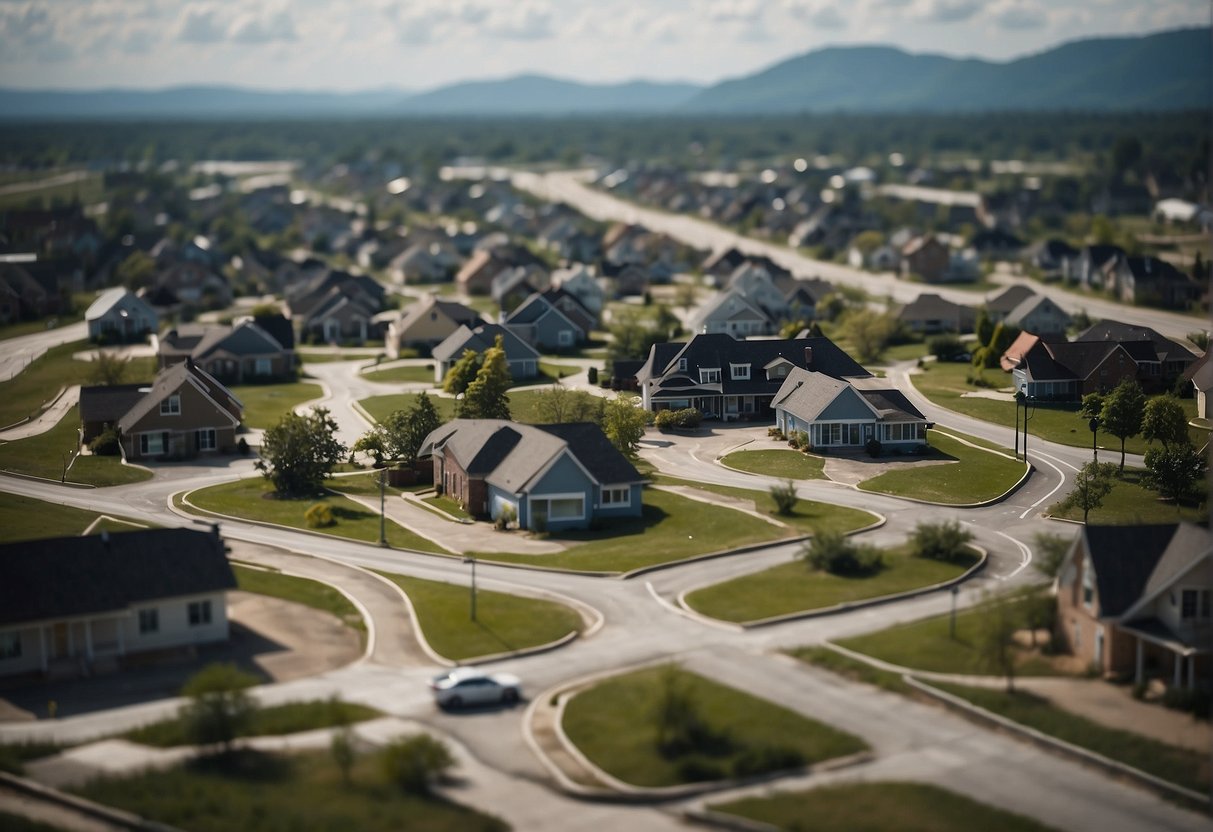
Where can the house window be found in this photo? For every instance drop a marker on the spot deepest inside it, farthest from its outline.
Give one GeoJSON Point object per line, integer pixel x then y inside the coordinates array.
{"type": "Point", "coordinates": [739, 372]}
{"type": "Point", "coordinates": [709, 376]}
{"type": "Point", "coordinates": [199, 613]}
{"type": "Point", "coordinates": [170, 406]}
{"type": "Point", "coordinates": [151, 444]}
{"type": "Point", "coordinates": [566, 508]}
{"type": "Point", "coordinates": [263, 366]}
{"type": "Point", "coordinates": [10, 645]}
{"type": "Point", "coordinates": [1194, 603]}
{"type": "Point", "coordinates": [682, 365]}
{"type": "Point", "coordinates": [1088, 583]}
{"type": "Point", "coordinates": [206, 439]}
{"type": "Point", "coordinates": [616, 497]}
{"type": "Point", "coordinates": [149, 621]}
{"type": "Point", "coordinates": [564, 337]}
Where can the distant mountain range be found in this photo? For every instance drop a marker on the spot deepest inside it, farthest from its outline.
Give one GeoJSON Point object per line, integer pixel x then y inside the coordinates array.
{"type": "Point", "coordinates": [1164, 71]}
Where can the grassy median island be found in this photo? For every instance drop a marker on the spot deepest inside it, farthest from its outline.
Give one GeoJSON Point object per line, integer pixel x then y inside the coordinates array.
{"type": "Point", "coordinates": [24, 518]}
{"type": "Point", "coordinates": [776, 462]}
{"type": "Point", "coordinates": [43, 456]}
{"type": "Point", "coordinates": [405, 374]}
{"type": "Point", "coordinates": [848, 668]}
{"type": "Point", "coordinates": [503, 622]}
{"type": "Point", "coordinates": [664, 726]}
{"type": "Point", "coordinates": [274, 721]}
{"type": "Point", "coordinates": [793, 587]}
{"type": "Point", "coordinates": [976, 475]}
{"type": "Point", "coordinates": [259, 792]}
{"type": "Point", "coordinates": [876, 807]}
{"type": "Point", "coordinates": [300, 591]}
{"type": "Point", "coordinates": [1130, 502]}
{"type": "Point", "coordinates": [671, 528]}
{"type": "Point", "coordinates": [265, 404]}
{"type": "Point", "coordinates": [1181, 766]}
{"type": "Point", "coordinates": [249, 499]}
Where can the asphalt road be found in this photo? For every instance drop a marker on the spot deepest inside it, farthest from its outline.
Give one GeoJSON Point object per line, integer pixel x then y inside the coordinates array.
{"type": "Point", "coordinates": [20, 351]}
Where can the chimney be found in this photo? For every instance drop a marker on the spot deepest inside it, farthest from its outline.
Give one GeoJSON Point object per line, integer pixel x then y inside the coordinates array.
{"type": "Point", "coordinates": [808, 357]}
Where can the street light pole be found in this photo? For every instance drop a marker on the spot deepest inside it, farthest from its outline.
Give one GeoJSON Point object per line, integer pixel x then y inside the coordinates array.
{"type": "Point", "coordinates": [472, 561]}
{"type": "Point", "coordinates": [382, 510]}
{"type": "Point", "coordinates": [1094, 426]}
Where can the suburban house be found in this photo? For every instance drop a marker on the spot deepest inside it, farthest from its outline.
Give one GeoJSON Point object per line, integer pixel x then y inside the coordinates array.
{"type": "Point", "coordinates": [476, 275]}
{"type": "Point", "coordinates": [1095, 263]}
{"type": "Point", "coordinates": [542, 324]}
{"type": "Point", "coordinates": [846, 413]}
{"type": "Point", "coordinates": [232, 354]}
{"type": "Point", "coordinates": [120, 315]}
{"type": "Point", "coordinates": [335, 306]}
{"type": "Point", "coordinates": [729, 313]}
{"type": "Point", "coordinates": [560, 476]}
{"type": "Point", "coordinates": [426, 323]}
{"type": "Point", "coordinates": [581, 284]}
{"type": "Point", "coordinates": [927, 258]}
{"type": "Point", "coordinates": [191, 282]}
{"type": "Point", "coordinates": [1201, 376]}
{"type": "Point", "coordinates": [721, 264]}
{"type": "Point", "coordinates": [522, 358]}
{"type": "Point", "coordinates": [1069, 370]}
{"type": "Point", "coordinates": [929, 314]}
{"type": "Point", "coordinates": [185, 412]}
{"type": "Point", "coordinates": [1134, 601]}
{"type": "Point", "coordinates": [101, 407]}
{"type": "Point", "coordinates": [1040, 315]}
{"type": "Point", "coordinates": [1173, 356]}
{"type": "Point", "coordinates": [514, 285]}
{"type": "Point", "coordinates": [1005, 302]}
{"type": "Point", "coordinates": [729, 379]}
{"type": "Point", "coordinates": [1052, 257]}
{"type": "Point", "coordinates": [79, 605]}
{"type": "Point", "coordinates": [1148, 280]}
{"type": "Point", "coordinates": [35, 293]}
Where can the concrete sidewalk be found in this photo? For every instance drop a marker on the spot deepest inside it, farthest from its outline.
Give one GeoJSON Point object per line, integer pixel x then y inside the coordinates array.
{"type": "Point", "coordinates": [47, 419]}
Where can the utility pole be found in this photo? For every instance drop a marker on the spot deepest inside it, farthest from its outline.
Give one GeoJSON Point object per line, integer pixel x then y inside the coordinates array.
{"type": "Point", "coordinates": [382, 509]}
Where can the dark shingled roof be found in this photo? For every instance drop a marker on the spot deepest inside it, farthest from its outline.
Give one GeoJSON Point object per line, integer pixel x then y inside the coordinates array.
{"type": "Point", "coordinates": [1124, 558]}
{"type": "Point", "coordinates": [68, 576]}
{"type": "Point", "coordinates": [109, 404]}
{"type": "Point", "coordinates": [592, 448]}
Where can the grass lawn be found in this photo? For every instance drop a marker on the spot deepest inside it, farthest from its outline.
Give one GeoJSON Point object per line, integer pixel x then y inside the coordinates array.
{"type": "Point", "coordinates": [381, 407]}
{"type": "Point", "coordinates": [809, 516]}
{"type": "Point", "coordinates": [616, 724]}
{"type": "Point", "coordinates": [876, 807]}
{"type": "Point", "coordinates": [503, 622]}
{"type": "Point", "coordinates": [14, 756]}
{"type": "Point", "coordinates": [1132, 502]}
{"type": "Point", "coordinates": [793, 587]}
{"type": "Point", "coordinates": [42, 456]}
{"type": "Point", "coordinates": [944, 384]}
{"type": "Point", "coordinates": [926, 645]}
{"type": "Point", "coordinates": [25, 394]}
{"type": "Point", "coordinates": [447, 505]}
{"type": "Point", "coordinates": [248, 499]}
{"type": "Point", "coordinates": [80, 303]}
{"type": "Point", "coordinates": [24, 518]}
{"type": "Point", "coordinates": [671, 528]}
{"type": "Point", "coordinates": [555, 370]}
{"type": "Point", "coordinates": [905, 352]}
{"type": "Point", "coordinates": [259, 792]}
{"type": "Point", "coordinates": [265, 404]}
{"type": "Point", "coordinates": [301, 591]}
{"type": "Point", "coordinates": [365, 485]}
{"type": "Point", "coordinates": [409, 374]}
{"type": "Point", "coordinates": [330, 357]}
{"type": "Point", "coordinates": [976, 475]}
{"type": "Point", "coordinates": [1178, 765]}
{"type": "Point", "coordinates": [852, 669]}
{"type": "Point", "coordinates": [274, 721]}
{"type": "Point", "coordinates": [787, 464]}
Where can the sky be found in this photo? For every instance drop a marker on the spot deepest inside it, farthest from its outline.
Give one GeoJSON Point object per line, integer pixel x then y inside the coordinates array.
{"type": "Point", "coordinates": [421, 44]}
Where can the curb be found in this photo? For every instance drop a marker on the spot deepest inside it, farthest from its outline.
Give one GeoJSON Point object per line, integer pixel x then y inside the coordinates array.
{"type": "Point", "coordinates": [46, 794]}
{"type": "Point", "coordinates": [69, 484]}
{"type": "Point", "coordinates": [1051, 743]}
{"type": "Point", "coordinates": [849, 606]}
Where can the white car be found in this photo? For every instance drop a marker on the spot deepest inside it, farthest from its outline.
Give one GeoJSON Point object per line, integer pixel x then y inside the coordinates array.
{"type": "Point", "coordinates": [468, 686]}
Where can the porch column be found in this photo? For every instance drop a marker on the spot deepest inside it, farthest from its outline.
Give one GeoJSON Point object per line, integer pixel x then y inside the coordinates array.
{"type": "Point", "coordinates": [88, 638]}
{"type": "Point", "coordinates": [1192, 672]}
{"type": "Point", "coordinates": [1140, 657]}
{"type": "Point", "coordinates": [42, 645]}
{"type": "Point", "coordinates": [121, 626]}
{"type": "Point", "coordinates": [1179, 668]}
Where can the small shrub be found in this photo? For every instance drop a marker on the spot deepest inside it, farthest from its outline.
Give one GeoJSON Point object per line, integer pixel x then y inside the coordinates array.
{"type": "Point", "coordinates": [242, 446]}
{"type": "Point", "coordinates": [784, 495]}
{"type": "Point", "coordinates": [592, 375]}
{"type": "Point", "coordinates": [341, 746]}
{"type": "Point", "coordinates": [694, 770]}
{"type": "Point", "coordinates": [944, 541]}
{"type": "Point", "coordinates": [837, 554]}
{"type": "Point", "coordinates": [768, 758]}
{"type": "Point", "coordinates": [873, 447]}
{"type": "Point", "coordinates": [106, 443]}
{"type": "Point", "coordinates": [1195, 702]}
{"type": "Point", "coordinates": [776, 434]}
{"type": "Point", "coordinates": [688, 418]}
{"type": "Point", "coordinates": [802, 440]}
{"type": "Point", "coordinates": [219, 709]}
{"type": "Point", "coordinates": [978, 380]}
{"type": "Point", "coordinates": [946, 347]}
{"type": "Point", "coordinates": [505, 518]}
{"type": "Point", "coordinates": [319, 516]}
{"type": "Point", "coordinates": [416, 762]}
{"type": "Point", "coordinates": [664, 419]}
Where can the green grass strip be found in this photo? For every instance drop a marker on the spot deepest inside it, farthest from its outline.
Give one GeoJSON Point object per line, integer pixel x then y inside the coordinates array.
{"type": "Point", "coordinates": [274, 721]}
{"type": "Point", "coordinates": [300, 591]}
{"type": "Point", "coordinates": [788, 464]}
{"type": "Point", "coordinates": [975, 476]}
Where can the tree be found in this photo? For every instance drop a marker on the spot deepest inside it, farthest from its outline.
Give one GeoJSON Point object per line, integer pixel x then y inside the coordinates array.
{"type": "Point", "coordinates": [219, 709]}
{"type": "Point", "coordinates": [1199, 339]}
{"type": "Point", "coordinates": [415, 762]}
{"type": "Point", "coordinates": [623, 423]}
{"type": "Point", "coordinates": [300, 452]}
{"type": "Point", "coordinates": [984, 327]}
{"type": "Point", "coordinates": [137, 271]}
{"type": "Point", "coordinates": [1164, 419]}
{"type": "Point", "coordinates": [109, 368]}
{"type": "Point", "coordinates": [1092, 406]}
{"type": "Point", "coordinates": [945, 540]}
{"type": "Point", "coordinates": [784, 495]}
{"type": "Point", "coordinates": [560, 404]}
{"type": "Point", "coordinates": [632, 337]}
{"type": "Point", "coordinates": [1173, 470]}
{"type": "Point", "coordinates": [485, 397]}
{"type": "Point", "coordinates": [399, 437]}
{"type": "Point", "coordinates": [1121, 414]}
{"type": "Point", "coordinates": [996, 638]}
{"type": "Point", "coordinates": [837, 554]}
{"type": "Point", "coordinates": [946, 347]}
{"type": "Point", "coordinates": [1092, 483]}
{"type": "Point", "coordinates": [1050, 553]}
{"type": "Point", "coordinates": [463, 372]}
{"type": "Point", "coordinates": [868, 332]}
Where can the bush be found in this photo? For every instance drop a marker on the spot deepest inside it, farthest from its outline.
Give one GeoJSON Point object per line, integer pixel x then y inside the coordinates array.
{"type": "Point", "coordinates": [592, 375]}
{"type": "Point", "coordinates": [784, 495]}
{"type": "Point", "coordinates": [873, 447]}
{"type": "Point", "coordinates": [415, 762]}
{"type": "Point", "coordinates": [694, 770]}
{"type": "Point", "coordinates": [837, 554]}
{"type": "Point", "coordinates": [1195, 702]}
{"type": "Point", "coordinates": [505, 518]}
{"type": "Point", "coordinates": [219, 709]}
{"type": "Point", "coordinates": [946, 347]}
{"type": "Point", "coordinates": [769, 758]}
{"type": "Point", "coordinates": [944, 541]}
{"type": "Point", "coordinates": [319, 516]}
{"type": "Point", "coordinates": [776, 434]}
{"type": "Point", "coordinates": [978, 380]}
{"type": "Point", "coordinates": [242, 446]}
{"type": "Point", "coordinates": [106, 443]}
{"type": "Point", "coordinates": [685, 419]}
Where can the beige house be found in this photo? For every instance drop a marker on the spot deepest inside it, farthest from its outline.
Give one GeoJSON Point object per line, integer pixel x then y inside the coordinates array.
{"type": "Point", "coordinates": [184, 413]}
{"type": "Point", "coordinates": [426, 323]}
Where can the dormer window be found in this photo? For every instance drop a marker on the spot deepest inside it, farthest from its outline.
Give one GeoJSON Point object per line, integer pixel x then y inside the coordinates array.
{"type": "Point", "coordinates": [682, 365]}
{"type": "Point", "coordinates": [709, 376]}
{"type": "Point", "coordinates": [739, 372]}
{"type": "Point", "coordinates": [171, 406]}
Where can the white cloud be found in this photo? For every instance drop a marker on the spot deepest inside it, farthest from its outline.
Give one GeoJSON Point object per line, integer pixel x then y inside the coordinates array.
{"type": "Point", "coordinates": [528, 20]}
{"type": "Point", "coordinates": [820, 14]}
{"type": "Point", "coordinates": [728, 11]}
{"type": "Point", "coordinates": [944, 11]}
{"type": "Point", "coordinates": [267, 26]}
{"type": "Point", "coordinates": [201, 24]}
{"type": "Point", "coordinates": [1018, 14]}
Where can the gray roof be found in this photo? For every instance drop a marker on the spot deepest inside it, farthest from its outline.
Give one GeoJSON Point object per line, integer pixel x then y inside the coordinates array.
{"type": "Point", "coordinates": [805, 394]}
{"type": "Point", "coordinates": [480, 339]}
{"type": "Point", "coordinates": [1029, 305]}
{"type": "Point", "coordinates": [108, 299]}
{"type": "Point", "coordinates": [169, 381]}
{"type": "Point", "coordinates": [109, 403]}
{"type": "Point", "coordinates": [1010, 298]}
{"type": "Point", "coordinates": [1189, 545]}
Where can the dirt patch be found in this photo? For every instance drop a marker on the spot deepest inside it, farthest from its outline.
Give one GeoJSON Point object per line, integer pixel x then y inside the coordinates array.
{"type": "Point", "coordinates": [852, 470]}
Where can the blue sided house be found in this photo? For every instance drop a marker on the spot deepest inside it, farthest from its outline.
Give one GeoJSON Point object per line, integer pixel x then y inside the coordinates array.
{"type": "Point", "coordinates": [843, 414]}
{"type": "Point", "coordinates": [562, 476]}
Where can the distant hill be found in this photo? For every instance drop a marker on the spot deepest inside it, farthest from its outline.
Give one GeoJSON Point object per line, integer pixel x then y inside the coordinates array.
{"type": "Point", "coordinates": [542, 95]}
{"type": "Point", "coordinates": [1164, 71]}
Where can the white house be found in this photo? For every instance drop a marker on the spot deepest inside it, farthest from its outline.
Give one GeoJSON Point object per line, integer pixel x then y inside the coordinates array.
{"type": "Point", "coordinates": [119, 315]}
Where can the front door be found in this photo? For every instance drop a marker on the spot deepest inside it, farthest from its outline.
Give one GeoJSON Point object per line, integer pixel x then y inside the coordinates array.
{"type": "Point", "coordinates": [60, 641]}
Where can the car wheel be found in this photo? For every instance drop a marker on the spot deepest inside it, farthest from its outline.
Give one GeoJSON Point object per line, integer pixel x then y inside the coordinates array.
{"type": "Point", "coordinates": [510, 696]}
{"type": "Point", "coordinates": [454, 702]}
